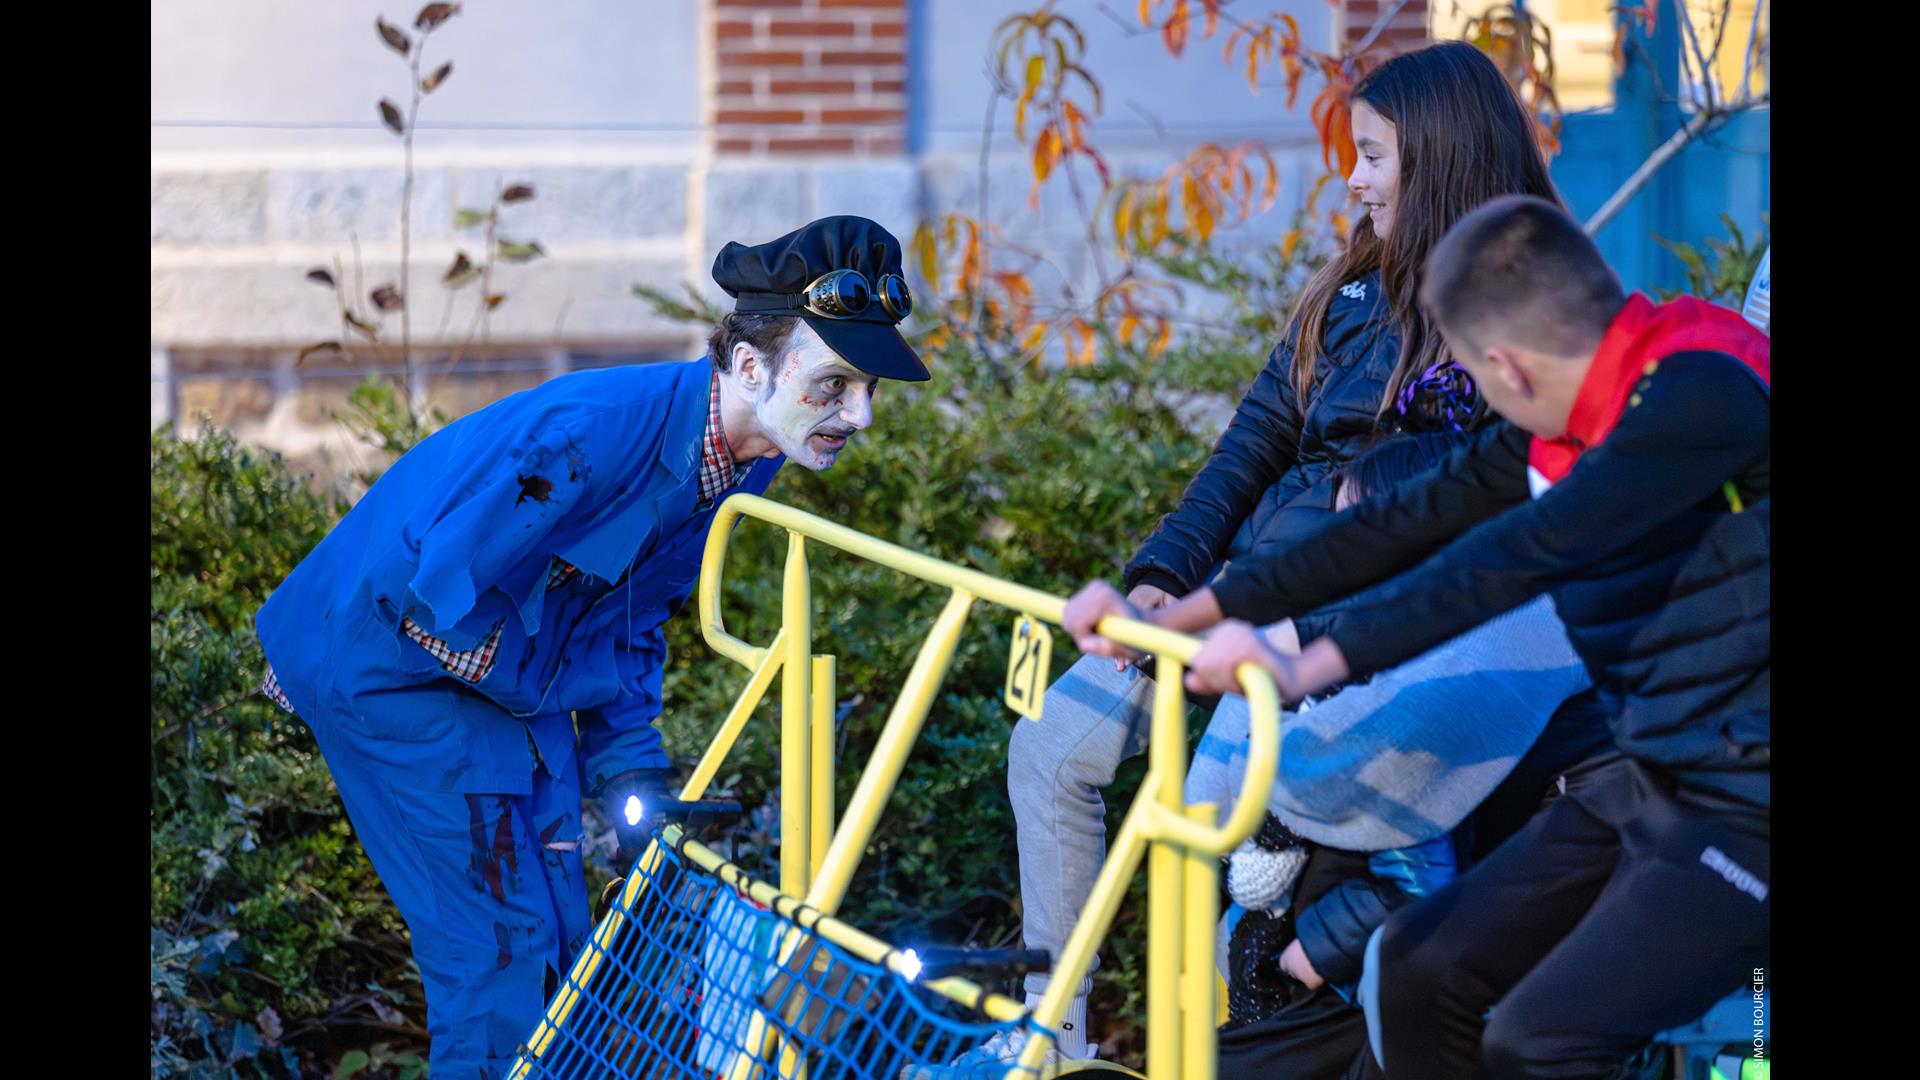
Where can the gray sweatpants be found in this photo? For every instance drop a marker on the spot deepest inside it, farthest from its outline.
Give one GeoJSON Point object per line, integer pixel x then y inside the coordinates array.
{"type": "Point", "coordinates": [1094, 718]}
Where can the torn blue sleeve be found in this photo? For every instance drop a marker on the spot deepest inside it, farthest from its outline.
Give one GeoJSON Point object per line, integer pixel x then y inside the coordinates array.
{"type": "Point", "coordinates": [476, 540]}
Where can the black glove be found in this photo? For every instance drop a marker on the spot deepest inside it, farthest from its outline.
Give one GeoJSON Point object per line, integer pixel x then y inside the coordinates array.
{"type": "Point", "coordinates": [626, 799]}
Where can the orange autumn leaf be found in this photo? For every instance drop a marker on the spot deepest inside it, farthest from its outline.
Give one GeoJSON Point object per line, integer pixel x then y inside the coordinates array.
{"type": "Point", "coordinates": [1075, 119]}
{"type": "Point", "coordinates": [1034, 336]}
{"type": "Point", "coordinates": [1175, 31]}
{"type": "Point", "coordinates": [1123, 217]}
{"type": "Point", "coordinates": [1313, 193]}
{"type": "Point", "coordinates": [1333, 120]}
{"type": "Point", "coordinates": [1082, 357]}
{"type": "Point", "coordinates": [926, 255]}
{"type": "Point", "coordinates": [970, 262]}
{"type": "Point", "coordinates": [1295, 70]}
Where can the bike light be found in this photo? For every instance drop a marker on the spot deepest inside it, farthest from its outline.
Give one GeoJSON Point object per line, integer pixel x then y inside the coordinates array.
{"type": "Point", "coordinates": [635, 810]}
{"type": "Point", "coordinates": [910, 965]}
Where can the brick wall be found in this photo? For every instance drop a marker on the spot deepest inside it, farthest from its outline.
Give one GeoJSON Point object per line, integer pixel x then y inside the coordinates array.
{"type": "Point", "coordinates": [1407, 31]}
{"type": "Point", "coordinates": [809, 77]}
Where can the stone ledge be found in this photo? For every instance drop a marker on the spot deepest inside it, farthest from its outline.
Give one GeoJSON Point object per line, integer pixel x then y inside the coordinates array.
{"type": "Point", "coordinates": [333, 203]}
{"type": "Point", "coordinates": [208, 207]}
{"type": "Point", "coordinates": [270, 302]}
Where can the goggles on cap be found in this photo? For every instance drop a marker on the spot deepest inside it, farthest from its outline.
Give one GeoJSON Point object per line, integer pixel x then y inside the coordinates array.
{"type": "Point", "coordinates": [845, 294]}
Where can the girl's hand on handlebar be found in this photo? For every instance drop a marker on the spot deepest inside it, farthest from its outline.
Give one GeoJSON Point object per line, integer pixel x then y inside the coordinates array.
{"type": "Point", "coordinates": [1216, 667]}
{"type": "Point", "coordinates": [1097, 601]}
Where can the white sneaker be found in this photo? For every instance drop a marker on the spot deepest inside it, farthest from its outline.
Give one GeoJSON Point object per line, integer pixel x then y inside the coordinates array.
{"type": "Point", "coordinates": [991, 1060]}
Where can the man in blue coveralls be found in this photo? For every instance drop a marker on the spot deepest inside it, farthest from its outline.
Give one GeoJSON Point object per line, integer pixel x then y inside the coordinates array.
{"type": "Point", "coordinates": [478, 643]}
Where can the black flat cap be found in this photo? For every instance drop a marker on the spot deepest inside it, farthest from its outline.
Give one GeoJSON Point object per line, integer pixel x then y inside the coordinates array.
{"type": "Point", "coordinates": [772, 278]}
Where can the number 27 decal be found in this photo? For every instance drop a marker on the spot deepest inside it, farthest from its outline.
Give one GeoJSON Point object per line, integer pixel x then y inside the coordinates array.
{"type": "Point", "coordinates": [1027, 666]}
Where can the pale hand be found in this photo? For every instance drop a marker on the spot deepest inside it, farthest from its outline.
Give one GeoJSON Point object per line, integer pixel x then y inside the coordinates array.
{"type": "Point", "coordinates": [1294, 962]}
{"type": "Point", "coordinates": [1097, 601]}
{"type": "Point", "coordinates": [1283, 636]}
{"type": "Point", "coordinates": [1149, 597]}
{"type": "Point", "coordinates": [1216, 667]}
{"type": "Point", "coordinates": [1145, 598]}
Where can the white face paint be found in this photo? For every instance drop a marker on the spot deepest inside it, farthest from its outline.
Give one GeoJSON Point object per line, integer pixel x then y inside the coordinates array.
{"type": "Point", "coordinates": [815, 402]}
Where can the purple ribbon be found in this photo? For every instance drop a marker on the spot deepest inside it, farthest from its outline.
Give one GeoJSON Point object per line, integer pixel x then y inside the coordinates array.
{"type": "Point", "coordinates": [1449, 391]}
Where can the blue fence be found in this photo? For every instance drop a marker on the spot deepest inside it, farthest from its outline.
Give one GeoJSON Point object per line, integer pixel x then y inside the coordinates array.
{"type": "Point", "coordinates": [1726, 172]}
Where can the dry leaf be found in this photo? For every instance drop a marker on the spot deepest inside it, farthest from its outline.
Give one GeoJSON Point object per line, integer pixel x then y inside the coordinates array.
{"type": "Point", "coordinates": [315, 350]}
{"type": "Point", "coordinates": [390, 115]}
{"type": "Point", "coordinates": [434, 14]}
{"type": "Point", "coordinates": [355, 321]}
{"type": "Point", "coordinates": [461, 272]}
{"type": "Point", "coordinates": [519, 253]}
{"type": "Point", "coordinates": [432, 82]}
{"type": "Point", "coordinates": [269, 1023]}
{"type": "Point", "coordinates": [517, 193]}
{"type": "Point", "coordinates": [322, 275]}
{"type": "Point", "coordinates": [393, 37]}
{"type": "Point", "coordinates": [388, 298]}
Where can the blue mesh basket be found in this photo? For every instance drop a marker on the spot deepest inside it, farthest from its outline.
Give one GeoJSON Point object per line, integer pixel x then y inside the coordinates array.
{"type": "Point", "coordinates": [689, 975]}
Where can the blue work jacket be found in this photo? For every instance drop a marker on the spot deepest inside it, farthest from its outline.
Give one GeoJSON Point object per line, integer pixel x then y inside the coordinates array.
{"type": "Point", "coordinates": [599, 468]}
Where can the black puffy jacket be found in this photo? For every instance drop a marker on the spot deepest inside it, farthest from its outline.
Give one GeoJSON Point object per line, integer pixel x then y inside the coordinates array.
{"type": "Point", "coordinates": [1269, 476]}
{"type": "Point", "coordinates": [1699, 692]}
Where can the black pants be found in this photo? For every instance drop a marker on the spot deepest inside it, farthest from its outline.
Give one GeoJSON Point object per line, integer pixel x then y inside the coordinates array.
{"type": "Point", "coordinates": [1625, 908]}
{"type": "Point", "coordinates": [1319, 1037]}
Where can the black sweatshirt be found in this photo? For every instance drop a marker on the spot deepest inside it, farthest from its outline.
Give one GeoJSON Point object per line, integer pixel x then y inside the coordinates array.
{"type": "Point", "coordinates": [1607, 542]}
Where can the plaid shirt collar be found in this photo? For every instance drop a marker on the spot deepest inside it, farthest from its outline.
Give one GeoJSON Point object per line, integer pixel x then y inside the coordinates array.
{"type": "Point", "coordinates": [717, 469]}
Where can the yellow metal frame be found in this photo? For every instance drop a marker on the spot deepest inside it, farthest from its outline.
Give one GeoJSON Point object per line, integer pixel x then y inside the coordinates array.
{"type": "Point", "coordinates": [1181, 843]}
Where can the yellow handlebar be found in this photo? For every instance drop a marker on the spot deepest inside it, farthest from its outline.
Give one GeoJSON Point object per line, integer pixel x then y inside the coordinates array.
{"type": "Point", "coordinates": [1263, 749]}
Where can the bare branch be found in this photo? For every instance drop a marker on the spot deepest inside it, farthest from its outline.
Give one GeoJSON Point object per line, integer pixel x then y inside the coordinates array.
{"type": "Point", "coordinates": [1753, 40]}
{"type": "Point", "coordinates": [986, 145]}
{"type": "Point", "coordinates": [1379, 27]}
{"type": "Point", "coordinates": [1700, 59]}
{"type": "Point", "coordinates": [1159, 129]}
{"type": "Point", "coordinates": [1720, 33]}
{"type": "Point", "coordinates": [1702, 123]}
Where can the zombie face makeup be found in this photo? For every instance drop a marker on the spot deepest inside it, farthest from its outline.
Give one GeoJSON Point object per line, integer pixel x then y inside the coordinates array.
{"type": "Point", "coordinates": [814, 402]}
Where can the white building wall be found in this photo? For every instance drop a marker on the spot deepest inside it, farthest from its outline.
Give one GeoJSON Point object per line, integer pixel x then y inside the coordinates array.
{"type": "Point", "coordinates": [268, 158]}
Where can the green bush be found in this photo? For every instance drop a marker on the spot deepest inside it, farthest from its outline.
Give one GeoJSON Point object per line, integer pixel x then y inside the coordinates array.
{"type": "Point", "coordinates": [275, 950]}
{"type": "Point", "coordinates": [1722, 273]}
{"type": "Point", "coordinates": [269, 930]}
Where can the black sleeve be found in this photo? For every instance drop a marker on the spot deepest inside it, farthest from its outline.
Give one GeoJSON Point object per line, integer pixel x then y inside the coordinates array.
{"type": "Point", "coordinates": [1382, 535]}
{"type": "Point", "coordinates": [1259, 445]}
{"type": "Point", "coordinates": [1334, 929]}
{"type": "Point", "coordinates": [1697, 423]}
{"type": "Point", "coordinates": [1429, 451]}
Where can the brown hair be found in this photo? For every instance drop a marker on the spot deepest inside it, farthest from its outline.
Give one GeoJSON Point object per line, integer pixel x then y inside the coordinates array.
{"type": "Point", "coordinates": [1465, 137]}
{"type": "Point", "coordinates": [1519, 271]}
{"type": "Point", "coordinates": [768, 334]}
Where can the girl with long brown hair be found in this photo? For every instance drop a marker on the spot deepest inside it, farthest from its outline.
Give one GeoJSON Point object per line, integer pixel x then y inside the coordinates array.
{"type": "Point", "coordinates": [1438, 131]}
